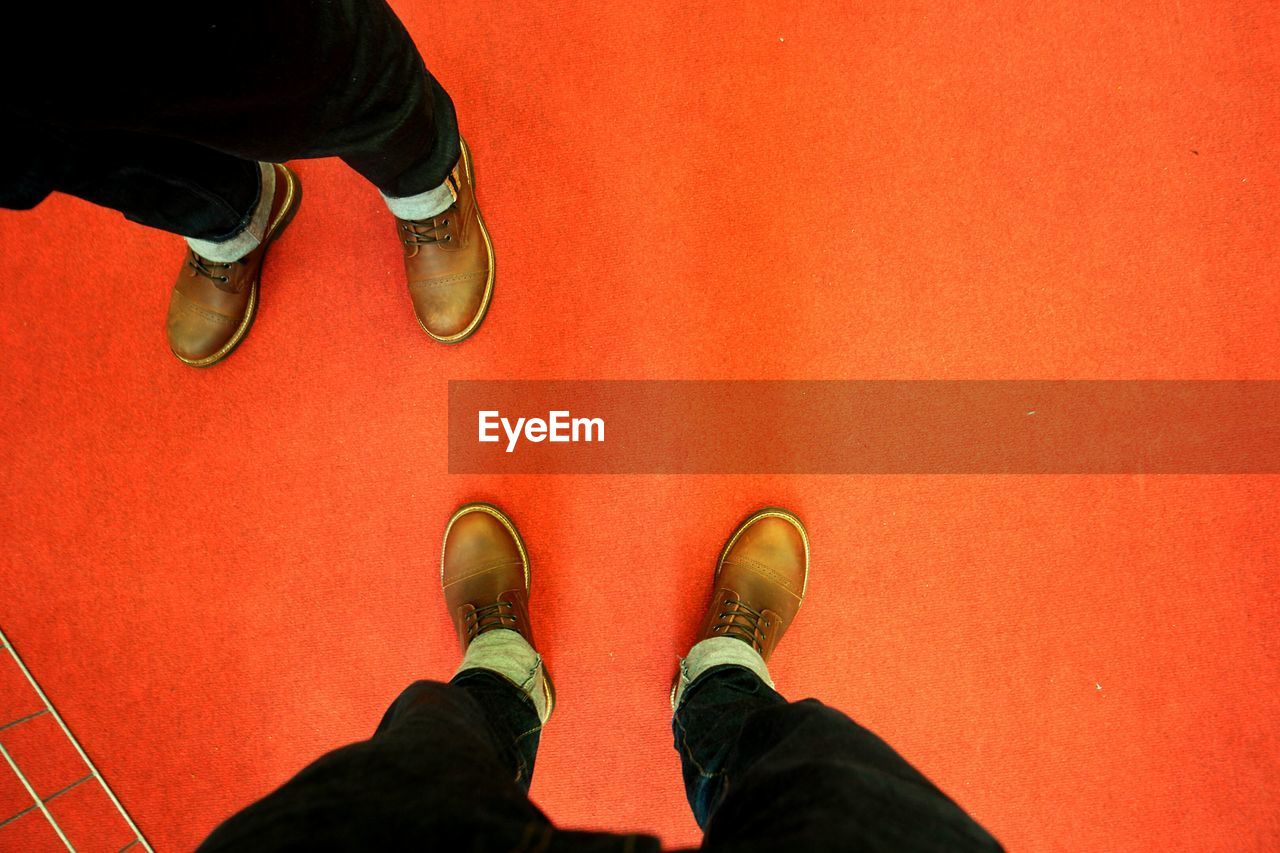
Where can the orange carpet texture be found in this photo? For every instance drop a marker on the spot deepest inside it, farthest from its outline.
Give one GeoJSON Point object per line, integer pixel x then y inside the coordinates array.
{"type": "Point", "coordinates": [218, 575]}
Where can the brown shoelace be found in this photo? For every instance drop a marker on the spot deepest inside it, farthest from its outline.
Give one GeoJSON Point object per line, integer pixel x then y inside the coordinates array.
{"type": "Point", "coordinates": [420, 232]}
{"type": "Point", "coordinates": [206, 268]}
{"type": "Point", "coordinates": [744, 622]}
{"type": "Point", "coordinates": [500, 614]}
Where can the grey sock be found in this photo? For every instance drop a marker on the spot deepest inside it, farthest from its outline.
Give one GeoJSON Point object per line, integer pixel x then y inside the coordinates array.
{"type": "Point", "coordinates": [236, 247]}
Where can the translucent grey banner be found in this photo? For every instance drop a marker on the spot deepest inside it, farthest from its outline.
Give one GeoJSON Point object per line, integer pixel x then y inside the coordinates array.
{"type": "Point", "coordinates": [864, 427]}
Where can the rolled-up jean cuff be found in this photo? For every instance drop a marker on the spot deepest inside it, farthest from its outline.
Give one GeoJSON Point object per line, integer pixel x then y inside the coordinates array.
{"type": "Point", "coordinates": [252, 229]}
{"type": "Point", "coordinates": [713, 652]}
{"type": "Point", "coordinates": [508, 654]}
{"type": "Point", "coordinates": [419, 155]}
{"type": "Point", "coordinates": [423, 205]}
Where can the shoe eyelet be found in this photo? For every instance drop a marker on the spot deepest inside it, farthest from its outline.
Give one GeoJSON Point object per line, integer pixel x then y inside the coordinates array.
{"type": "Point", "coordinates": [449, 239]}
{"type": "Point", "coordinates": [223, 279]}
{"type": "Point", "coordinates": [445, 223]}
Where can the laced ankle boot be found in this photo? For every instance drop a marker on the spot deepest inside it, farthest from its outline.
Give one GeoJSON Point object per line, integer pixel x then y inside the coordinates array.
{"type": "Point", "coordinates": [448, 261]}
{"type": "Point", "coordinates": [484, 570]}
{"type": "Point", "coordinates": [213, 304]}
{"type": "Point", "coordinates": [760, 581]}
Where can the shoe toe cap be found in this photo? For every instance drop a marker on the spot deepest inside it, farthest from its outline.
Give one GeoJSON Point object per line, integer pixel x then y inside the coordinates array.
{"type": "Point", "coordinates": [196, 333]}
{"type": "Point", "coordinates": [477, 541]}
{"type": "Point", "coordinates": [446, 306]}
{"type": "Point", "coordinates": [776, 545]}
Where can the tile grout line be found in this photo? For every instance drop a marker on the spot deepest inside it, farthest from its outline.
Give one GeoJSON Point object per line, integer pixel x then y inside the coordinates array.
{"type": "Point", "coordinates": [12, 818]}
{"type": "Point", "coordinates": [93, 768]}
{"type": "Point", "coordinates": [39, 802]}
{"type": "Point", "coordinates": [61, 791]}
{"type": "Point", "coordinates": [22, 720]}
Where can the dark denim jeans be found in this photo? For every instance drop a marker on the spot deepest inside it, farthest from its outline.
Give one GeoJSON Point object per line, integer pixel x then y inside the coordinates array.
{"type": "Point", "coordinates": [450, 765]}
{"type": "Point", "coordinates": [765, 774]}
{"type": "Point", "coordinates": [161, 113]}
{"type": "Point", "coordinates": [447, 769]}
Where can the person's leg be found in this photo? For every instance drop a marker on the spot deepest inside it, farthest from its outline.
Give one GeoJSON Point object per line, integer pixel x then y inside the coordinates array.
{"type": "Point", "coordinates": [375, 105]}
{"type": "Point", "coordinates": [450, 764]}
{"type": "Point", "coordinates": [369, 99]}
{"type": "Point", "coordinates": [286, 80]}
{"type": "Point", "coordinates": [289, 79]}
{"type": "Point", "coordinates": [404, 138]}
{"type": "Point", "coordinates": [165, 183]}
{"type": "Point", "coordinates": [762, 773]}
{"type": "Point", "coordinates": [229, 210]}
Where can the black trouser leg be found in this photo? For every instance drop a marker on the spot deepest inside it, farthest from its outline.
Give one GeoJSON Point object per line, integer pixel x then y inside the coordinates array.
{"type": "Point", "coordinates": [441, 766]}
{"type": "Point", "coordinates": [514, 728]}
{"type": "Point", "coordinates": [762, 773]}
{"type": "Point", "coordinates": [272, 82]}
{"type": "Point", "coordinates": [161, 182]}
{"type": "Point", "coordinates": [447, 769]}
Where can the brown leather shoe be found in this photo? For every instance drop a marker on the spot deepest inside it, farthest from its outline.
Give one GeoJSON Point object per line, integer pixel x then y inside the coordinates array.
{"type": "Point", "coordinates": [448, 260]}
{"type": "Point", "coordinates": [213, 305]}
{"type": "Point", "coordinates": [484, 569]}
{"type": "Point", "coordinates": [760, 580]}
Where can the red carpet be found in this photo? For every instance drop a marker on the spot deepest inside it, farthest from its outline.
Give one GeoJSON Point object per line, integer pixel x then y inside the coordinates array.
{"type": "Point", "coordinates": [218, 575]}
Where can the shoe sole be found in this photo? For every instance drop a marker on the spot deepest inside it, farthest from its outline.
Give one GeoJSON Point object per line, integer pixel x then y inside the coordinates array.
{"type": "Point", "coordinates": [474, 325]}
{"type": "Point", "coordinates": [292, 200]}
{"type": "Point", "coordinates": [506, 522]}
